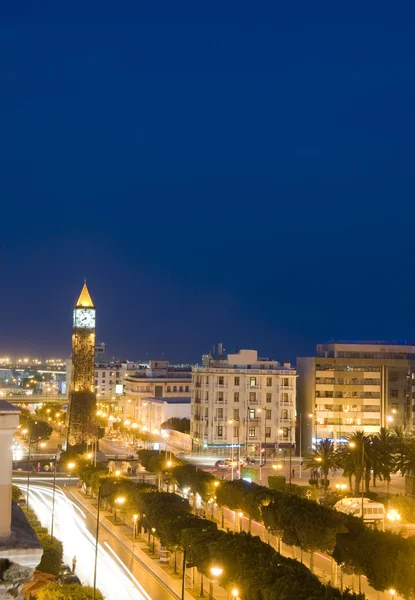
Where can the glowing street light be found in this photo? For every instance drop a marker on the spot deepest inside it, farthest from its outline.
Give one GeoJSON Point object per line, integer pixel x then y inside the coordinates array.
{"type": "Point", "coordinates": [235, 593]}
{"type": "Point", "coordinates": [393, 515]}
{"type": "Point", "coordinates": [135, 518]}
{"type": "Point", "coordinates": [216, 572]}
{"type": "Point", "coordinates": [120, 501]}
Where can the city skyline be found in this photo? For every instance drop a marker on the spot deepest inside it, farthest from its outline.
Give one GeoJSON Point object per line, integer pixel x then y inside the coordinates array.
{"type": "Point", "coordinates": [240, 177]}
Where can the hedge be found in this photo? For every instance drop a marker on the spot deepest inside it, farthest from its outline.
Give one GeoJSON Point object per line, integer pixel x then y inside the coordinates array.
{"type": "Point", "coordinates": [384, 557]}
{"type": "Point", "coordinates": [256, 568]}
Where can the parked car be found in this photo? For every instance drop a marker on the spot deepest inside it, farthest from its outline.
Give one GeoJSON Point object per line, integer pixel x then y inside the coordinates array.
{"type": "Point", "coordinates": [65, 569]}
{"type": "Point", "coordinates": [221, 464]}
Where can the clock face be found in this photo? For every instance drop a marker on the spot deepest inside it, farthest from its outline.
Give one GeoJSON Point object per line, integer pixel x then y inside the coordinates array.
{"type": "Point", "coordinates": [84, 317]}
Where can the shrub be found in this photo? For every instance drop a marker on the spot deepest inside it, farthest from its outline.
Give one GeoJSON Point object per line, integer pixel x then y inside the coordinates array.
{"type": "Point", "coordinates": [52, 554]}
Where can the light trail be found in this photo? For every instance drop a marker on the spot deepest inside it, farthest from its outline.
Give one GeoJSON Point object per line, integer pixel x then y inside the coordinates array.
{"type": "Point", "coordinates": [70, 527]}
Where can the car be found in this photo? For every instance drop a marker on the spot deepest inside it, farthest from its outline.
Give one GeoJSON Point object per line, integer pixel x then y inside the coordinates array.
{"type": "Point", "coordinates": [228, 463]}
{"type": "Point", "coordinates": [70, 578]}
{"type": "Point", "coordinates": [65, 569]}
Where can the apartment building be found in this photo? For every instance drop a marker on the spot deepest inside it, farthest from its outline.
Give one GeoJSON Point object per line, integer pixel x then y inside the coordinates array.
{"type": "Point", "coordinates": [156, 392]}
{"type": "Point", "coordinates": [352, 386]}
{"type": "Point", "coordinates": [243, 400]}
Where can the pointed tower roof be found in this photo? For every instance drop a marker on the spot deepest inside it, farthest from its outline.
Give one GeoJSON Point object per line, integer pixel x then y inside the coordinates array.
{"type": "Point", "coordinates": [85, 299]}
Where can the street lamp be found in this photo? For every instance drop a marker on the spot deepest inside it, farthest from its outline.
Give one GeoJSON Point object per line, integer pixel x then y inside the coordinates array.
{"type": "Point", "coordinates": [135, 517]}
{"type": "Point", "coordinates": [120, 501]}
{"type": "Point", "coordinates": [153, 529]}
{"type": "Point", "coordinates": [53, 496]}
{"type": "Point", "coordinates": [235, 593]}
{"type": "Point", "coordinates": [70, 466]}
{"type": "Point", "coordinates": [30, 442]}
{"type": "Point", "coordinates": [393, 515]}
{"type": "Point", "coordinates": [216, 572]}
{"type": "Point", "coordinates": [240, 515]}
{"type": "Point", "coordinates": [392, 592]}
{"type": "Point", "coordinates": [97, 536]}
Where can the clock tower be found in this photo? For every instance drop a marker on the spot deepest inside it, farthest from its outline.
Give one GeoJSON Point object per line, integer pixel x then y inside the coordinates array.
{"type": "Point", "coordinates": [82, 402]}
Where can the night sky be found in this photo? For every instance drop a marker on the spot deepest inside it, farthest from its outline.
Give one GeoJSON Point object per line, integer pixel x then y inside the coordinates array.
{"type": "Point", "coordinates": [225, 171]}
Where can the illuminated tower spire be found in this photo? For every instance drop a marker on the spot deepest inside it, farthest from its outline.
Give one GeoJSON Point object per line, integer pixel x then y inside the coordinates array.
{"type": "Point", "coordinates": [85, 298]}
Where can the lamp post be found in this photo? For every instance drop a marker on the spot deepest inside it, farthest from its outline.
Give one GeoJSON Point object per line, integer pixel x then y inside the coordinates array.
{"type": "Point", "coordinates": [235, 593]}
{"type": "Point", "coordinates": [216, 572]}
{"type": "Point", "coordinates": [97, 537]}
{"type": "Point", "coordinates": [120, 501]}
{"type": "Point", "coordinates": [153, 530]}
{"type": "Point", "coordinates": [240, 515]}
{"type": "Point", "coordinates": [53, 496]}
{"type": "Point", "coordinates": [135, 517]}
{"type": "Point", "coordinates": [30, 442]}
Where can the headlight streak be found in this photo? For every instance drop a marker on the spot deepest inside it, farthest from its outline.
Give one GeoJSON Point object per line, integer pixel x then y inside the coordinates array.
{"type": "Point", "coordinates": [70, 527]}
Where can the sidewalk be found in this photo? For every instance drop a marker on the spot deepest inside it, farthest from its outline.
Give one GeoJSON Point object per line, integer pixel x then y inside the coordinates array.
{"type": "Point", "coordinates": [141, 552]}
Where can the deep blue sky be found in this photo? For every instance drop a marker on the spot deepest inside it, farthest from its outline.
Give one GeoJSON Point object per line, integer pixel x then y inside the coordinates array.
{"type": "Point", "coordinates": [226, 171]}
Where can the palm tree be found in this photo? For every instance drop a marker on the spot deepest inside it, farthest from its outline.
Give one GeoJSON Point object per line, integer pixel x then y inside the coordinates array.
{"type": "Point", "coordinates": [382, 455]}
{"type": "Point", "coordinates": [354, 458]}
{"type": "Point", "coordinates": [399, 445]}
{"type": "Point", "coordinates": [324, 457]}
{"type": "Point", "coordinates": [407, 463]}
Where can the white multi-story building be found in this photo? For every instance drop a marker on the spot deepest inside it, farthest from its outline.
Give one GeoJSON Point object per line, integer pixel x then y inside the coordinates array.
{"type": "Point", "coordinates": [246, 401]}
{"type": "Point", "coordinates": [155, 393]}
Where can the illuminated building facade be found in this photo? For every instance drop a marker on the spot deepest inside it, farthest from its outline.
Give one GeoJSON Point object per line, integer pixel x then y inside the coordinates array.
{"type": "Point", "coordinates": [355, 386]}
{"type": "Point", "coordinates": [82, 404]}
{"type": "Point", "coordinates": [244, 400]}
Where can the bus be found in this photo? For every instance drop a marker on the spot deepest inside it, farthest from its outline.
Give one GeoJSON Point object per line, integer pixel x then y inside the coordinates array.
{"type": "Point", "coordinates": [373, 512]}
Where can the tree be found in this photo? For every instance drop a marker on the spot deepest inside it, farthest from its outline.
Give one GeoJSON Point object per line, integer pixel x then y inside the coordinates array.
{"type": "Point", "coordinates": [407, 461]}
{"type": "Point", "coordinates": [72, 591]}
{"type": "Point", "coordinates": [354, 457]}
{"type": "Point", "coordinates": [381, 455]}
{"type": "Point", "coordinates": [16, 493]}
{"type": "Point", "coordinates": [325, 458]}
{"type": "Point", "coordinates": [182, 425]}
{"type": "Point", "coordinates": [52, 554]}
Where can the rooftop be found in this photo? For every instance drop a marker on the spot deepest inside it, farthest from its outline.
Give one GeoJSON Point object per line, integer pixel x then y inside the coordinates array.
{"type": "Point", "coordinates": [6, 407]}
{"type": "Point", "coordinates": [22, 536]}
{"type": "Point", "coordinates": [160, 400]}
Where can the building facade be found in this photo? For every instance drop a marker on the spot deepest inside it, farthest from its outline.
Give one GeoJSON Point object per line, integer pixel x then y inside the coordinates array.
{"type": "Point", "coordinates": [82, 399]}
{"type": "Point", "coordinates": [156, 392]}
{"type": "Point", "coordinates": [351, 386]}
{"type": "Point", "coordinates": [245, 401]}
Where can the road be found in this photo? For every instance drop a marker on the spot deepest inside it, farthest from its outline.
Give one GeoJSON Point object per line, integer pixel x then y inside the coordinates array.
{"type": "Point", "coordinates": [119, 574]}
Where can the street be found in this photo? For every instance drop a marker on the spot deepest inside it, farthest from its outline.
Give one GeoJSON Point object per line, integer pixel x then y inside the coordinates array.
{"type": "Point", "coordinates": [119, 574]}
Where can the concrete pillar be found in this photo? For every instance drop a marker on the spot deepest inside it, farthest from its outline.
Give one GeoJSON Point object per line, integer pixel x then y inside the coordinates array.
{"type": "Point", "coordinates": [9, 420]}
